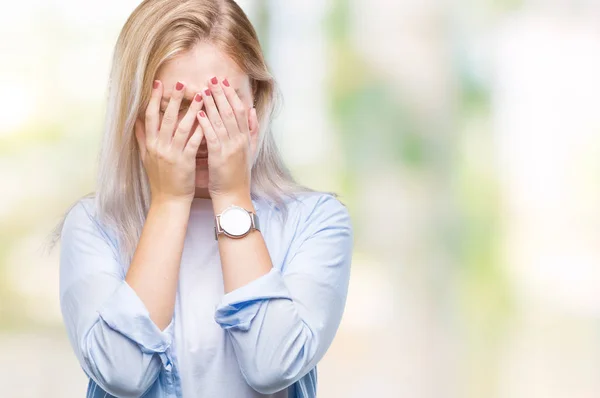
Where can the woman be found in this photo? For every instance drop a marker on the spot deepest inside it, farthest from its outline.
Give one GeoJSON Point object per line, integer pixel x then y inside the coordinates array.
{"type": "Point", "coordinates": [199, 268]}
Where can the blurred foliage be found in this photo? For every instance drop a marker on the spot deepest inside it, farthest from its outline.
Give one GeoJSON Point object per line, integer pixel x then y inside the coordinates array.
{"type": "Point", "coordinates": [363, 102]}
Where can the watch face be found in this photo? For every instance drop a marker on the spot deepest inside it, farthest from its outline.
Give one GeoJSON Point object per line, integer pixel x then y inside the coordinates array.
{"type": "Point", "coordinates": [235, 221]}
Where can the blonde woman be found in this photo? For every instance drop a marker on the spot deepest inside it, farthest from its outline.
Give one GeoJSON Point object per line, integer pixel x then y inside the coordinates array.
{"type": "Point", "coordinates": [199, 268]}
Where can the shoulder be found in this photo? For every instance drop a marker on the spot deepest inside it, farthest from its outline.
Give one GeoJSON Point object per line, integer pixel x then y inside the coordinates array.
{"type": "Point", "coordinates": [318, 206]}
{"type": "Point", "coordinates": [81, 215]}
{"type": "Point", "coordinates": [81, 220]}
{"type": "Point", "coordinates": [308, 213]}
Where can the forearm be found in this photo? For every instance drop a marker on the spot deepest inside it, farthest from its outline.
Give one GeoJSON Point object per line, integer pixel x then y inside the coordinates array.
{"type": "Point", "coordinates": [280, 351]}
{"type": "Point", "coordinates": [117, 363]}
{"type": "Point", "coordinates": [242, 260]}
{"type": "Point", "coordinates": [153, 273]}
{"type": "Point", "coordinates": [283, 322]}
{"type": "Point", "coordinates": [98, 313]}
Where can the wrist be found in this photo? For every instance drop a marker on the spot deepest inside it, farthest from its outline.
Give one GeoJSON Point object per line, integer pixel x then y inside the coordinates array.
{"type": "Point", "coordinates": [174, 203]}
{"type": "Point", "coordinates": [221, 202]}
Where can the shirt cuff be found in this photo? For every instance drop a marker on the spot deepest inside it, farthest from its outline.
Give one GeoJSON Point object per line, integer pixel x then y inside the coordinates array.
{"type": "Point", "coordinates": [125, 312]}
{"type": "Point", "coordinates": [239, 307]}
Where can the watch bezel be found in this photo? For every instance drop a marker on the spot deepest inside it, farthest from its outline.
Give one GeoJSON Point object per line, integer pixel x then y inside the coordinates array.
{"type": "Point", "coordinates": [219, 226]}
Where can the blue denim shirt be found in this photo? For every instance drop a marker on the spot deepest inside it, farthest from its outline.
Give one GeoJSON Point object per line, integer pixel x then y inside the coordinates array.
{"type": "Point", "coordinates": [281, 324]}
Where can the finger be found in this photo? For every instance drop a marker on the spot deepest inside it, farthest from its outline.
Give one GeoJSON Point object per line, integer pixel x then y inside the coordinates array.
{"type": "Point", "coordinates": [152, 117]}
{"type": "Point", "coordinates": [239, 109]}
{"type": "Point", "coordinates": [224, 108]}
{"type": "Point", "coordinates": [213, 116]}
{"type": "Point", "coordinates": [171, 116]}
{"type": "Point", "coordinates": [191, 147]}
{"type": "Point", "coordinates": [212, 140]}
{"type": "Point", "coordinates": [185, 125]}
{"type": "Point", "coordinates": [140, 136]}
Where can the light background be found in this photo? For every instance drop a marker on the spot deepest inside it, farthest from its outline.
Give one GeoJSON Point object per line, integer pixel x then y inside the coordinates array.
{"type": "Point", "coordinates": [462, 135]}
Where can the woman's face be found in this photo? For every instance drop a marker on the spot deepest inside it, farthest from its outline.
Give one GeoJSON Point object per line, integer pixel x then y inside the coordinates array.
{"type": "Point", "coordinates": [195, 68]}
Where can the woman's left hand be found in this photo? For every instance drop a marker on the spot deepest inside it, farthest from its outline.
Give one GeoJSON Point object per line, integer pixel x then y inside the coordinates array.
{"type": "Point", "coordinates": [227, 125]}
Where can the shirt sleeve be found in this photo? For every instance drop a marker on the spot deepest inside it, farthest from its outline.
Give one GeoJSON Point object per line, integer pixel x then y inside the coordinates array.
{"type": "Point", "coordinates": [282, 323]}
{"type": "Point", "coordinates": [110, 330]}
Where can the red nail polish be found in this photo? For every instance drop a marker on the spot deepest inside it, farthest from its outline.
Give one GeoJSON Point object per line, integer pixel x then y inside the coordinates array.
{"type": "Point", "coordinates": [198, 98]}
{"type": "Point", "coordinates": [214, 80]}
{"type": "Point", "coordinates": [156, 83]}
{"type": "Point", "coordinates": [202, 114]}
{"type": "Point", "coordinates": [179, 86]}
{"type": "Point", "coordinates": [225, 83]}
{"type": "Point", "coordinates": [207, 92]}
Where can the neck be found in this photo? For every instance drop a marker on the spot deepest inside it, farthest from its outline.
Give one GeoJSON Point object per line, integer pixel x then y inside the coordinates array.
{"type": "Point", "coordinates": [202, 193]}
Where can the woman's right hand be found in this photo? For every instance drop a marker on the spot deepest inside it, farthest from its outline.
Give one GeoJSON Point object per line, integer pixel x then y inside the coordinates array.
{"type": "Point", "coordinates": [169, 157]}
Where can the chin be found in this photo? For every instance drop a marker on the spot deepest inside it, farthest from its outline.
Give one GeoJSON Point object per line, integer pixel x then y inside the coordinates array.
{"type": "Point", "coordinates": [201, 178]}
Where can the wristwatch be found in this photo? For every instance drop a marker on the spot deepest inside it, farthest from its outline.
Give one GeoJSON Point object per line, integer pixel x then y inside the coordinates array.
{"type": "Point", "coordinates": [235, 222]}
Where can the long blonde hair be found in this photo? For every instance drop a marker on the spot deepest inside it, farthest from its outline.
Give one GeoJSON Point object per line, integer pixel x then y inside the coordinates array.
{"type": "Point", "coordinates": [157, 31]}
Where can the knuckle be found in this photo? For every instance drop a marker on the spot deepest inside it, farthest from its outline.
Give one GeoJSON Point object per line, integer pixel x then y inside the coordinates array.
{"type": "Point", "coordinates": [240, 115]}
{"type": "Point", "coordinates": [242, 141]}
{"type": "Point", "coordinates": [178, 130]}
{"type": "Point", "coordinates": [160, 152]}
{"type": "Point", "coordinates": [193, 141]}
{"type": "Point", "coordinates": [181, 130]}
{"type": "Point", "coordinates": [229, 113]}
{"type": "Point", "coordinates": [164, 155]}
{"type": "Point", "coordinates": [218, 123]}
{"type": "Point", "coordinates": [168, 119]}
{"type": "Point", "coordinates": [148, 115]}
{"type": "Point", "coordinates": [242, 138]}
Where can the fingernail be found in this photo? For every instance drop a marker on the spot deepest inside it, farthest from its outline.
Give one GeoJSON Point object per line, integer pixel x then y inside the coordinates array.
{"type": "Point", "coordinates": [179, 86]}
{"type": "Point", "coordinates": [225, 83]}
{"type": "Point", "coordinates": [207, 92]}
{"type": "Point", "coordinates": [214, 80]}
{"type": "Point", "coordinates": [202, 114]}
{"type": "Point", "coordinates": [198, 98]}
{"type": "Point", "coordinates": [156, 83]}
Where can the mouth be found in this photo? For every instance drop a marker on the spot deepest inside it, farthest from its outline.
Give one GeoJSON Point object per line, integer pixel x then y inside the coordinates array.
{"type": "Point", "coordinates": [202, 153]}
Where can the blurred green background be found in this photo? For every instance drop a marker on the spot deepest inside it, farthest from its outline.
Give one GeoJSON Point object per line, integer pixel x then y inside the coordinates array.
{"type": "Point", "coordinates": [462, 135]}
